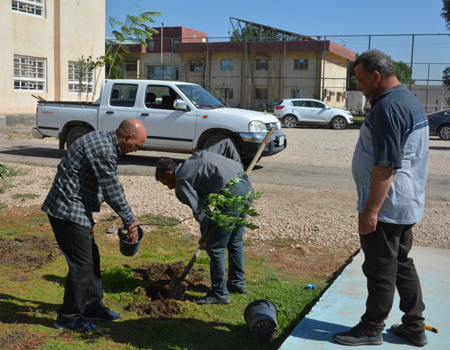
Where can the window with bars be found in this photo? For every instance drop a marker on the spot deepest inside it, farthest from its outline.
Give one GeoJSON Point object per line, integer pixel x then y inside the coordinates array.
{"type": "Point", "coordinates": [300, 64]}
{"type": "Point", "coordinates": [227, 64]}
{"type": "Point", "coordinates": [163, 72]}
{"type": "Point", "coordinates": [29, 74]}
{"type": "Point", "coordinates": [30, 7]}
{"type": "Point", "coordinates": [261, 94]}
{"type": "Point", "coordinates": [297, 93]}
{"type": "Point", "coordinates": [81, 77]}
{"type": "Point", "coordinates": [226, 93]}
{"type": "Point", "coordinates": [196, 66]}
{"type": "Point", "coordinates": [262, 64]}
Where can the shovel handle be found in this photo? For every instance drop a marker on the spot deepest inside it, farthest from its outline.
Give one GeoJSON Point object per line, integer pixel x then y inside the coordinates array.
{"type": "Point", "coordinates": [260, 149]}
{"type": "Point", "coordinates": [189, 266]}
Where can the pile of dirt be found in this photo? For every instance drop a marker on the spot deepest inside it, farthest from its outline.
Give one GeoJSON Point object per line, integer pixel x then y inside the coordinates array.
{"type": "Point", "coordinates": [28, 252]}
{"type": "Point", "coordinates": [159, 275]}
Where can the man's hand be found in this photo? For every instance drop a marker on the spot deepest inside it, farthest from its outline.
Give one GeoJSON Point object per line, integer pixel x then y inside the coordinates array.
{"type": "Point", "coordinates": [133, 233]}
{"type": "Point", "coordinates": [201, 242]}
{"type": "Point", "coordinates": [367, 222]}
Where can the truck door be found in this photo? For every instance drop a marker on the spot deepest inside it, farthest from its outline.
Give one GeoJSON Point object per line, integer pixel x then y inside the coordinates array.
{"type": "Point", "coordinates": [166, 126]}
{"type": "Point", "coordinates": [121, 105]}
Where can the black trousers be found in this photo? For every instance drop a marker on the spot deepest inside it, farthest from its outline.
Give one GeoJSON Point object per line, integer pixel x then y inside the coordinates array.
{"type": "Point", "coordinates": [387, 266]}
{"type": "Point", "coordinates": [83, 291]}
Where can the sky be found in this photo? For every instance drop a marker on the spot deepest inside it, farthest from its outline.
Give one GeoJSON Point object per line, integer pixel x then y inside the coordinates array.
{"type": "Point", "coordinates": [343, 21]}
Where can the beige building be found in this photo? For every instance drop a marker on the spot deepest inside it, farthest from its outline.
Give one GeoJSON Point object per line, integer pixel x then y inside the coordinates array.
{"type": "Point", "coordinates": [252, 74]}
{"type": "Point", "coordinates": [43, 45]}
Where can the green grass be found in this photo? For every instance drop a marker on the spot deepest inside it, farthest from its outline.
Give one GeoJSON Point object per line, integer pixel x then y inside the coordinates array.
{"type": "Point", "coordinates": [28, 307]}
{"type": "Point", "coordinates": [7, 174]}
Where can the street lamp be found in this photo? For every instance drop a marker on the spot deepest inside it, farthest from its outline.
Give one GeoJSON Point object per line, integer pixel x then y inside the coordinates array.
{"type": "Point", "coordinates": [162, 29]}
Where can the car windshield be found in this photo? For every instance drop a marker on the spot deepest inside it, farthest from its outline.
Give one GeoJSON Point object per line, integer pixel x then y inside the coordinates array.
{"type": "Point", "coordinates": [199, 96]}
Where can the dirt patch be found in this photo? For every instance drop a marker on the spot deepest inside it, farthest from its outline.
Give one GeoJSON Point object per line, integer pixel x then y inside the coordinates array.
{"type": "Point", "coordinates": [28, 252]}
{"type": "Point", "coordinates": [159, 275]}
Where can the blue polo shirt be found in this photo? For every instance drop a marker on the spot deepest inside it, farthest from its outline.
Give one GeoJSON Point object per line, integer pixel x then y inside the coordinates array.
{"type": "Point", "coordinates": [394, 134]}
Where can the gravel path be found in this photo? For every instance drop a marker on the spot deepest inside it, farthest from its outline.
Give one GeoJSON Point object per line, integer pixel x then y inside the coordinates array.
{"type": "Point", "coordinates": [301, 215]}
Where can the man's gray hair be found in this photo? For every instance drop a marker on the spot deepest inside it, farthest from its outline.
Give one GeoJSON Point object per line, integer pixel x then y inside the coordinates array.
{"type": "Point", "coordinates": [163, 165]}
{"type": "Point", "coordinates": [376, 60]}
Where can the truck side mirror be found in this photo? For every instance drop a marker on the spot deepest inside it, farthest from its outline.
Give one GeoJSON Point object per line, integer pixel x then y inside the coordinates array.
{"type": "Point", "coordinates": [180, 104]}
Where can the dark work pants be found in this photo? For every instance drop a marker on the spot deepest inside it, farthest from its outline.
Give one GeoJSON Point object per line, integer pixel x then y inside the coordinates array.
{"type": "Point", "coordinates": [386, 267]}
{"type": "Point", "coordinates": [83, 291]}
{"type": "Point", "coordinates": [218, 239]}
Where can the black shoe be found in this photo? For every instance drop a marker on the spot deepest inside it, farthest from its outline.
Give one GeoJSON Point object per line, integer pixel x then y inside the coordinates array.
{"type": "Point", "coordinates": [103, 314]}
{"type": "Point", "coordinates": [419, 339]}
{"type": "Point", "coordinates": [210, 298]}
{"type": "Point", "coordinates": [358, 335]}
{"type": "Point", "coordinates": [233, 289]}
{"type": "Point", "coordinates": [80, 325]}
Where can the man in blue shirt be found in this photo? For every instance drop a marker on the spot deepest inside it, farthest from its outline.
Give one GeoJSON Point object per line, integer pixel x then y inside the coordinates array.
{"type": "Point", "coordinates": [203, 173]}
{"type": "Point", "coordinates": [389, 168]}
{"type": "Point", "coordinates": [87, 177]}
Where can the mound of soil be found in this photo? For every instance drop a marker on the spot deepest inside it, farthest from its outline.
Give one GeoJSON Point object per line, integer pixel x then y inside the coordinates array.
{"type": "Point", "coordinates": [159, 275]}
{"type": "Point", "coordinates": [28, 252]}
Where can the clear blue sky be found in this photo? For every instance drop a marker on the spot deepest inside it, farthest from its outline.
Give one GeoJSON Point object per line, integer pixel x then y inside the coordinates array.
{"type": "Point", "coordinates": [314, 18]}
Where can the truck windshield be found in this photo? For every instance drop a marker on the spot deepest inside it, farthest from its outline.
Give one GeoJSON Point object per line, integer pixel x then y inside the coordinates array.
{"type": "Point", "coordinates": [199, 96]}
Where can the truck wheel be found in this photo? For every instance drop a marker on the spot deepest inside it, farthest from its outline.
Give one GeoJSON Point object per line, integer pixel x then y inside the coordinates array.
{"type": "Point", "coordinates": [75, 133]}
{"type": "Point", "coordinates": [217, 138]}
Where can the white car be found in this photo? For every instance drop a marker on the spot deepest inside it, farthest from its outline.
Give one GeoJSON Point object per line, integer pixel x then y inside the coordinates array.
{"type": "Point", "coordinates": [296, 111]}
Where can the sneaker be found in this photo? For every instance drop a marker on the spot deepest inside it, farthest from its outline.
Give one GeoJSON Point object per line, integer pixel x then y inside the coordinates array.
{"type": "Point", "coordinates": [235, 289]}
{"type": "Point", "coordinates": [358, 335]}
{"type": "Point", "coordinates": [210, 298]}
{"type": "Point", "coordinates": [419, 339]}
{"type": "Point", "coordinates": [80, 325]}
{"type": "Point", "coordinates": [103, 314]}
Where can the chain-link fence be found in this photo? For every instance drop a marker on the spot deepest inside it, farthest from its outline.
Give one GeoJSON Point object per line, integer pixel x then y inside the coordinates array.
{"type": "Point", "coordinates": [257, 73]}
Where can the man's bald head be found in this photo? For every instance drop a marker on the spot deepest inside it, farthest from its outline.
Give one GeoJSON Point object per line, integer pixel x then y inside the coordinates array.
{"type": "Point", "coordinates": [131, 135]}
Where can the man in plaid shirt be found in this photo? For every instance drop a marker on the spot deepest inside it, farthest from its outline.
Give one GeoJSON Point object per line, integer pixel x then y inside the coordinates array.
{"type": "Point", "coordinates": [87, 177]}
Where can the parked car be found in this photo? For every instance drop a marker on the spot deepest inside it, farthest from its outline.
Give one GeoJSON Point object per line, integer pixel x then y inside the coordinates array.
{"type": "Point", "coordinates": [297, 111]}
{"type": "Point", "coordinates": [440, 124]}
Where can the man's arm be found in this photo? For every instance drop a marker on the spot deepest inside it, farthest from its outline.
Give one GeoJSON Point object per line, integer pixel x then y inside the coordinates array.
{"type": "Point", "coordinates": [379, 187]}
{"type": "Point", "coordinates": [225, 148]}
{"type": "Point", "coordinates": [187, 195]}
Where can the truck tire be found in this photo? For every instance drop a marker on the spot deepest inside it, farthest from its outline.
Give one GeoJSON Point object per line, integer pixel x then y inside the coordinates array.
{"type": "Point", "coordinates": [220, 137]}
{"type": "Point", "coordinates": [75, 133]}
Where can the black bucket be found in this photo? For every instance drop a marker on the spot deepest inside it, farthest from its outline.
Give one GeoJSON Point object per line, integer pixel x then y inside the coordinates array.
{"type": "Point", "coordinates": [261, 316]}
{"type": "Point", "coordinates": [127, 248]}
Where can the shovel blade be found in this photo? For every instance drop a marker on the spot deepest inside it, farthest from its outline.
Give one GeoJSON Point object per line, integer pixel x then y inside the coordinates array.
{"type": "Point", "coordinates": [177, 289]}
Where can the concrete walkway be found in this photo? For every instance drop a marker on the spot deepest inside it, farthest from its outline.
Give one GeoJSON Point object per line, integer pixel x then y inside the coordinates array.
{"type": "Point", "coordinates": [342, 305]}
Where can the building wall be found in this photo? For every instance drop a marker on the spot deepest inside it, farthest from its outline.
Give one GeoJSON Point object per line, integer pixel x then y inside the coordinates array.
{"type": "Point", "coordinates": [68, 30]}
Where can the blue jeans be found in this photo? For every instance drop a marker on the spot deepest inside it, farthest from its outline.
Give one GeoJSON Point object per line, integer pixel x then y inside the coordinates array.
{"type": "Point", "coordinates": [218, 239]}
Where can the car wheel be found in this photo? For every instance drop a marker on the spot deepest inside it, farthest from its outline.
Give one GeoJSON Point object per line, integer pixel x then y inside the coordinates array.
{"type": "Point", "coordinates": [217, 138]}
{"type": "Point", "coordinates": [75, 133]}
{"type": "Point", "coordinates": [290, 121]}
{"type": "Point", "coordinates": [444, 132]}
{"type": "Point", "coordinates": [338, 123]}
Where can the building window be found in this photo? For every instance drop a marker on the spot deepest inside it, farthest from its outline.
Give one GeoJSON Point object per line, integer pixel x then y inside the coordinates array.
{"type": "Point", "coordinates": [262, 64]}
{"type": "Point", "coordinates": [30, 7]}
{"type": "Point", "coordinates": [297, 93]}
{"type": "Point", "coordinates": [196, 66]}
{"type": "Point", "coordinates": [175, 42]}
{"type": "Point", "coordinates": [300, 64]}
{"type": "Point", "coordinates": [226, 93]}
{"type": "Point", "coordinates": [29, 73]}
{"type": "Point", "coordinates": [131, 66]}
{"type": "Point", "coordinates": [151, 46]}
{"type": "Point", "coordinates": [81, 78]}
{"type": "Point", "coordinates": [163, 72]}
{"type": "Point", "coordinates": [227, 64]}
{"type": "Point", "coordinates": [261, 94]}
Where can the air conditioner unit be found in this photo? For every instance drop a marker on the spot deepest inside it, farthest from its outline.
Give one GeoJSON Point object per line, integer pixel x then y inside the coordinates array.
{"type": "Point", "coordinates": [262, 105]}
{"type": "Point", "coordinates": [326, 92]}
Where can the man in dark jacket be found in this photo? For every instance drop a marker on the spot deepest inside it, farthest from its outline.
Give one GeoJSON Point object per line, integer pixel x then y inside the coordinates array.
{"type": "Point", "coordinates": [207, 172]}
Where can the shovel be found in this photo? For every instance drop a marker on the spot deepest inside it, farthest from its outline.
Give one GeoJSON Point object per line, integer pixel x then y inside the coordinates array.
{"type": "Point", "coordinates": [177, 286]}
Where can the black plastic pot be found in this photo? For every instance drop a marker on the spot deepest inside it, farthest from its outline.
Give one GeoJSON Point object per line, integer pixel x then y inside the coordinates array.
{"type": "Point", "coordinates": [261, 316]}
{"type": "Point", "coordinates": [127, 248]}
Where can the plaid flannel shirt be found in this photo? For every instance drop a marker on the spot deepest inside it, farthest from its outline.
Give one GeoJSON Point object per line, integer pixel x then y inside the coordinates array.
{"type": "Point", "coordinates": [87, 177]}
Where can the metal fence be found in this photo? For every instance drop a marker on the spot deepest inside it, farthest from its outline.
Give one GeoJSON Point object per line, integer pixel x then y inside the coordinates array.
{"type": "Point", "coordinates": [244, 77]}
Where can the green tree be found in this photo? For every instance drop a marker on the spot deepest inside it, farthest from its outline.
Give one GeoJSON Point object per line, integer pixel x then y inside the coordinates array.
{"type": "Point", "coordinates": [252, 33]}
{"type": "Point", "coordinates": [402, 70]}
{"type": "Point", "coordinates": [134, 29]}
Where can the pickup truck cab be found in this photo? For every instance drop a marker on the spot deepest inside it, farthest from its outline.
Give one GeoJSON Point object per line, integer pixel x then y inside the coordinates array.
{"type": "Point", "coordinates": [179, 117]}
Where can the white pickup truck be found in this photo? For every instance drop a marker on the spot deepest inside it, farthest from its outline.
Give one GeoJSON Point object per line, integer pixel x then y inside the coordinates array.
{"type": "Point", "coordinates": [179, 117]}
